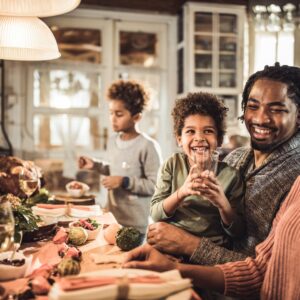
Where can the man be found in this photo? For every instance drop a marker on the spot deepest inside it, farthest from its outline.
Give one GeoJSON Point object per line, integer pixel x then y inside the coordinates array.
{"type": "Point", "coordinates": [271, 98]}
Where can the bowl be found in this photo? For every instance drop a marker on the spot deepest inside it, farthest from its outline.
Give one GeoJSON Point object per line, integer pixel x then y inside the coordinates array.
{"type": "Point", "coordinates": [77, 189]}
{"type": "Point", "coordinates": [8, 272]}
{"type": "Point", "coordinates": [92, 234]}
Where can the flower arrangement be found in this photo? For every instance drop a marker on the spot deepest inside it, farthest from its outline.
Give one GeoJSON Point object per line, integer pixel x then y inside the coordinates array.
{"type": "Point", "coordinates": [25, 220]}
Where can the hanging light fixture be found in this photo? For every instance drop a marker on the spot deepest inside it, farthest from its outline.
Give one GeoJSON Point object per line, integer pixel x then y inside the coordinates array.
{"type": "Point", "coordinates": [23, 36]}
{"type": "Point", "coordinates": [26, 38]}
{"type": "Point", "coordinates": [275, 17]}
{"type": "Point", "coordinates": [36, 8]}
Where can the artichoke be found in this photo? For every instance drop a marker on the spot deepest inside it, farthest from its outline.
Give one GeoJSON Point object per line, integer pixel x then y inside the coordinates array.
{"type": "Point", "coordinates": [128, 238]}
{"type": "Point", "coordinates": [78, 236]}
{"type": "Point", "coordinates": [68, 266]}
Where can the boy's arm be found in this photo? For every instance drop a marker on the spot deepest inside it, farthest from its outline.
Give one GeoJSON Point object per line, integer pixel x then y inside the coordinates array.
{"type": "Point", "coordinates": [163, 190]}
{"type": "Point", "coordinates": [101, 167]}
{"type": "Point", "coordinates": [151, 160]}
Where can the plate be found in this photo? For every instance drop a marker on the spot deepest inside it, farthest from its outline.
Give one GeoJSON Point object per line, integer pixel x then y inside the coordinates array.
{"type": "Point", "coordinates": [174, 286]}
{"type": "Point", "coordinates": [85, 199]}
{"type": "Point", "coordinates": [44, 232]}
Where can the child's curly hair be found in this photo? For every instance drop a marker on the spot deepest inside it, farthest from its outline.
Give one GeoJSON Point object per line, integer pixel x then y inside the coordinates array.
{"type": "Point", "coordinates": [203, 104]}
{"type": "Point", "coordinates": [132, 93]}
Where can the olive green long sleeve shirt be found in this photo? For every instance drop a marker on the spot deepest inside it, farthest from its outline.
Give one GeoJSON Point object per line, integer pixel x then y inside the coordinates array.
{"type": "Point", "coordinates": [196, 214]}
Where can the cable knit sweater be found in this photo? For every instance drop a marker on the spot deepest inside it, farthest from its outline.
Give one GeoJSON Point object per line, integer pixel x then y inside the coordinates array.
{"type": "Point", "coordinates": [274, 273]}
{"type": "Point", "coordinates": [266, 188]}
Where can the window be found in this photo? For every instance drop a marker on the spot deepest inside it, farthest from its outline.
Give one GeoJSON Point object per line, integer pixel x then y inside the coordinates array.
{"type": "Point", "coordinates": [271, 47]}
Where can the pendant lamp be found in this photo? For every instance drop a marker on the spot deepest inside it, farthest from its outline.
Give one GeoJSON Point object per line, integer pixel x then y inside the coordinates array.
{"type": "Point", "coordinates": [36, 8]}
{"type": "Point", "coordinates": [23, 36]}
{"type": "Point", "coordinates": [26, 38]}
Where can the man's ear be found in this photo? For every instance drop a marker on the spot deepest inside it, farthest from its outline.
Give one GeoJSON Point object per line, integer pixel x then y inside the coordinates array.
{"type": "Point", "coordinates": [298, 119]}
{"type": "Point", "coordinates": [178, 139]}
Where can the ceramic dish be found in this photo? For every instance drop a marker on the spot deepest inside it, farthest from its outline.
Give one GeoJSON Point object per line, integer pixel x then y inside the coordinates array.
{"type": "Point", "coordinates": [92, 234]}
{"type": "Point", "coordinates": [8, 272]}
{"type": "Point", "coordinates": [77, 189]}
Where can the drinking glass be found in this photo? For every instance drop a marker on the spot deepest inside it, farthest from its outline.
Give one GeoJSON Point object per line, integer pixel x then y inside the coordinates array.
{"type": "Point", "coordinates": [7, 226]}
{"type": "Point", "coordinates": [28, 181]}
{"type": "Point", "coordinates": [206, 161]}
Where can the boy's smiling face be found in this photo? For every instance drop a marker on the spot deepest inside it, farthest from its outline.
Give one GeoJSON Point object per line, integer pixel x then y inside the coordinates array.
{"type": "Point", "coordinates": [198, 135]}
{"type": "Point", "coordinates": [120, 117]}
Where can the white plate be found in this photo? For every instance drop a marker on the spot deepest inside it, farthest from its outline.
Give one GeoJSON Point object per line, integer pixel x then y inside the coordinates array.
{"type": "Point", "coordinates": [174, 285]}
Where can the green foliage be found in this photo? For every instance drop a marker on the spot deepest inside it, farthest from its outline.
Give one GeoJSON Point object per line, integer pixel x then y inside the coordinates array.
{"type": "Point", "coordinates": [41, 197]}
{"type": "Point", "coordinates": [128, 238]}
{"type": "Point", "coordinates": [25, 220]}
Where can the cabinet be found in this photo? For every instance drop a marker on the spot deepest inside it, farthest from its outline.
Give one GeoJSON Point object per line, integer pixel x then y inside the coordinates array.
{"type": "Point", "coordinates": [210, 51]}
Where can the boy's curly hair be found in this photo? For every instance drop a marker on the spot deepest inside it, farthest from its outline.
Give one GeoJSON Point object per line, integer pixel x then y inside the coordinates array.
{"type": "Point", "coordinates": [203, 104]}
{"type": "Point", "coordinates": [132, 93]}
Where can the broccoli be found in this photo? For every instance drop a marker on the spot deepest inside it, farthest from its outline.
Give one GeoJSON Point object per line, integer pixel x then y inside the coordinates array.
{"type": "Point", "coordinates": [128, 238]}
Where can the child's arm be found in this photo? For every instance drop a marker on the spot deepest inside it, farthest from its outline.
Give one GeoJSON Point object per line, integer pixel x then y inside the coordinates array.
{"type": "Point", "coordinates": [213, 191]}
{"type": "Point", "coordinates": [164, 201]}
{"type": "Point", "coordinates": [190, 187]}
{"type": "Point", "coordinates": [88, 163]}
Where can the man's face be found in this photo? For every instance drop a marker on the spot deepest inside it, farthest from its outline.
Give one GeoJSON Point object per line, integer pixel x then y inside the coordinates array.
{"type": "Point", "coordinates": [270, 115]}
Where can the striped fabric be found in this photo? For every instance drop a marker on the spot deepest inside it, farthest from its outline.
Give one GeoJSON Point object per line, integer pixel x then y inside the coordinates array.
{"type": "Point", "coordinates": [274, 273]}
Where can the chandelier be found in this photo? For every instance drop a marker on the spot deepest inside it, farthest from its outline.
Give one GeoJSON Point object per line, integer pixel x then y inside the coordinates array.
{"type": "Point", "coordinates": [275, 17]}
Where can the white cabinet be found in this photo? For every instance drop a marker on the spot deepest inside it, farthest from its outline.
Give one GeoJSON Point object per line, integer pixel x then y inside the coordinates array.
{"type": "Point", "coordinates": [210, 51]}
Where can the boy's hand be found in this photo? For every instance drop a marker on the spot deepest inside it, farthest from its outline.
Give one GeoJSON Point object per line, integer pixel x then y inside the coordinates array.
{"type": "Point", "coordinates": [192, 183]}
{"type": "Point", "coordinates": [112, 182]}
{"type": "Point", "coordinates": [85, 162]}
{"type": "Point", "coordinates": [211, 189]}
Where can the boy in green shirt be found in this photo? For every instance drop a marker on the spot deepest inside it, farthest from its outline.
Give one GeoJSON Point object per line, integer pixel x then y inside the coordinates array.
{"type": "Point", "coordinates": [199, 202]}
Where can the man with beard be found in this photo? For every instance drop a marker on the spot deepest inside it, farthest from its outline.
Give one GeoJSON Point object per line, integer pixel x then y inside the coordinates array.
{"type": "Point", "coordinates": [271, 98]}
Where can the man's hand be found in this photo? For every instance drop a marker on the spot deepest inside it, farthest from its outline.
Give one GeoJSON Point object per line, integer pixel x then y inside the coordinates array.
{"type": "Point", "coordinates": [112, 182]}
{"type": "Point", "coordinates": [171, 239]}
{"type": "Point", "coordinates": [146, 257]}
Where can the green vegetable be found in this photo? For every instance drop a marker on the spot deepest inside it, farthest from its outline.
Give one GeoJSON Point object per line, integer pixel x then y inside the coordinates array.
{"type": "Point", "coordinates": [68, 266]}
{"type": "Point", "coordinates": [77, 236]}
{"type": "Point", "coordinates": [128, 238]}
{"type": "Point", "coordinates": [41, 197]}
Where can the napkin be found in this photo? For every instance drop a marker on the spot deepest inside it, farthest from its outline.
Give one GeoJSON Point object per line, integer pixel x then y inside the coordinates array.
{"type": "Point", "coordinates": [80, 212]}
{"type": "Point", "coordinates": [126, 283]}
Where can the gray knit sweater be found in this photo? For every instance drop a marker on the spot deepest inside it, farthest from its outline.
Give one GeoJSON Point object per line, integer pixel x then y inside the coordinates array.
{"type": "Point", "coordinates": [139, 159]}
{"type": "Point", "coordinates": [266, 188]}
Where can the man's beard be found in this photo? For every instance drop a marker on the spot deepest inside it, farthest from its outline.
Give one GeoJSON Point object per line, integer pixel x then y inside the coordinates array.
{"type": "Point", "coordinates": [267, 148]}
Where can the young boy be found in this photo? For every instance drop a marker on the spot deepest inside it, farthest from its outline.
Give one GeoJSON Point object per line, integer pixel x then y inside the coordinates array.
{"type": "Point", "coordinates": [134, 158]}
{"type": "Point", "coordinates": [203, 204]}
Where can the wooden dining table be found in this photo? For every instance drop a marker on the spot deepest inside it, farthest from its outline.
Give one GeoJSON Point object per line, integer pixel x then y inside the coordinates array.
{"type": "Point", "coordinates": [45, 252]}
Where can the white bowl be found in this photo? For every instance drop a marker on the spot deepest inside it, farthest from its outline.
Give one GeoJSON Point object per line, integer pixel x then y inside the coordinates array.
{"type": "Point", "coordinates": [77, 192]}
{"type": "Point", "coordinates": [92, 234]}
{"type": "Point", "coordinates": [8, 272]}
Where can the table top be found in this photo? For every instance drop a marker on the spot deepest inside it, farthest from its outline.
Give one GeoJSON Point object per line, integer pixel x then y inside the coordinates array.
{"type": "Point", "coordinates": [43, 253]}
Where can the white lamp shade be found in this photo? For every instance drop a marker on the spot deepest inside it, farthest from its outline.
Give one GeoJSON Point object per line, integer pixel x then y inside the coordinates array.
{"type": "Point", "coordinates": [26, 38]}
{"type": "Point", "coordinates": [36, 8]}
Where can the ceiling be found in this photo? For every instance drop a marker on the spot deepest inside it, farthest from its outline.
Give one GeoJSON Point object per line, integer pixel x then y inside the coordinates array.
{"type": "Point", "coordinates": [162, 6]}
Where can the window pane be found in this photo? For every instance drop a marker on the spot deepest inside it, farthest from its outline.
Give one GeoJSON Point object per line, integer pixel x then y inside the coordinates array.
{"type": "Point", "coordinates": [57, 131]}
{"type": "Point", "coordinates": [286, 48]}
{"type": "Point", "coordinates": [228, 23]}
{"type": "Point", "coordinates": [66, 89]}
{"type": "Point", "coordinates": [203, 22]}
{"type": "Point", "coordinates": [138, 48]}
{"type": "Point", "coordinates": [77, 44]}
{"type": "Point", "coordinates": [265, 50]}
{"type": "Point", "coordinates": [203, 42]}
